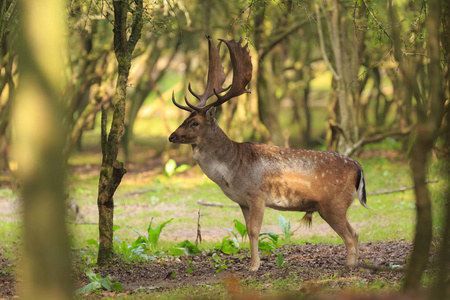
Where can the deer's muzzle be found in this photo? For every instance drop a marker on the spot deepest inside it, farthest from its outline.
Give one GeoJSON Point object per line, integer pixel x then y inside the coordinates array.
{"type": "Point", "coordinates": [172, 137]}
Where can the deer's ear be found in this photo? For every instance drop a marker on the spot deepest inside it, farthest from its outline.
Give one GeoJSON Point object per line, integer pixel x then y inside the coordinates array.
{"type": "Point", "coordinates": [210, 115]}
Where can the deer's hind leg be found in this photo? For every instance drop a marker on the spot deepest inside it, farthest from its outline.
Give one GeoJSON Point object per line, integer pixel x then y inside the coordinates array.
{"type": "Point", "coordinates": [338, 221]}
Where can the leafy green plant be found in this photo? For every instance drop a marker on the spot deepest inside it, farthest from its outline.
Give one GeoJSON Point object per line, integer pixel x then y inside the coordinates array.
{"type": "Point", "coordinates": [143, 245]}
{"type": "Point", "coordinates": [189, 267]}
{"type": "Point", "coordinates": [286, 228]}
{"type": "Point", "coordinates": [241, 229]}
{"type": "Point", "coordinates": [171, 168]}
{"type": "Point", "coordinates": [153, 234]}
{"type": "Point", "coordinates": [220, 265]}
{"type": "Point", "coordinates": [268, 241]}
{"type": "Point", "coordinates": [97, 283]}
{"type": "Point", "coordinates": [280, 260]}
{"type": "Point", "coordinates": [185, 248]}
{"type": "Point", "coordinates": [229, 244]}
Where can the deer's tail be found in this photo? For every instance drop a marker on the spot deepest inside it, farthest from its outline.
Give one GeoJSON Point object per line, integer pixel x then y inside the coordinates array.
{"type": "Point", "coordinates": [361, 189]}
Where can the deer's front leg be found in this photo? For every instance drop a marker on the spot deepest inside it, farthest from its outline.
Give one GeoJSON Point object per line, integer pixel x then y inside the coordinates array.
{"type": "Point", "coordinates": [253, 215]}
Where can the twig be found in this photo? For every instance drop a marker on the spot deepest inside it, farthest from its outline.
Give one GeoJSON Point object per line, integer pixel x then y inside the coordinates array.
{"type": "Point", "coordinates": [402, 189]}
{"type": "Point", "coordinates": [206, 203]}
{"type": "Point", "coordinates": [370, 68]}
{"type": "Point", "coordinates": [199, 233]}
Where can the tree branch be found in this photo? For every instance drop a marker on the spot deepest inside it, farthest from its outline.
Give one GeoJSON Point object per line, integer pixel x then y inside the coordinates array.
{"type": "Point", "coordinates": [321, 43]}
{"type": "Point", "coordinates": [375, 138]}
{"type": "Point", "coordinates": [136, 26]}
{"type": "Point", "coordinates": [402, 189]}
{"type": "Point", "coordinates": [270, 45]}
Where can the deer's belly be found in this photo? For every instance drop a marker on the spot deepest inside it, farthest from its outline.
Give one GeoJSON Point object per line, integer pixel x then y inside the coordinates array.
{"type": "Point", "coordinates": [291, 192]}
{"type": "Point", "coordinates": [290, 203]}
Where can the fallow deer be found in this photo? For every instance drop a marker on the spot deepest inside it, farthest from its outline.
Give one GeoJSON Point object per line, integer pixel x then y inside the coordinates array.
{"type": "Point", "coordinates": [256, 175]}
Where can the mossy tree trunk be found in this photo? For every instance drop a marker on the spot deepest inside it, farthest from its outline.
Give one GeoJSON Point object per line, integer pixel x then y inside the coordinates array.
{"type": "Point", "coordinates": [38, 115]}
{"type": "Point", "coordinates": [112, 170]}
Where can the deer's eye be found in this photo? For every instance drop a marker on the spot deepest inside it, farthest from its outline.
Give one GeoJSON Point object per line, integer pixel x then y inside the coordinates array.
{"type": "Point", "coordinates": [195, 124]}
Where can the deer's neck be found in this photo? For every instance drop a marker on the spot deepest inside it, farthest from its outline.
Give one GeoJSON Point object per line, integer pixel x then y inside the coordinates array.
{"type": "Point", "coordinates": [215, 146]}
{"type": "Point", "coordinates": [216, 154]}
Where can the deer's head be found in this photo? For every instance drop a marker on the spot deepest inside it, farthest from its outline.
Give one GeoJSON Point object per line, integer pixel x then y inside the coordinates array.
{"type": "Point", "coordinates": [202, 118]}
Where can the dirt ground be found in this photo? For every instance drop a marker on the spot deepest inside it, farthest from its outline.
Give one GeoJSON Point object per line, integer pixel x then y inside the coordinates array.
{"type": "Point", "coordinates": [316, 266]}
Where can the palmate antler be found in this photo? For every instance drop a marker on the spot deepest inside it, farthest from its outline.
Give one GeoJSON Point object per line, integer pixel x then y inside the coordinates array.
{"type": "Point", "coordinates": [242, 75]}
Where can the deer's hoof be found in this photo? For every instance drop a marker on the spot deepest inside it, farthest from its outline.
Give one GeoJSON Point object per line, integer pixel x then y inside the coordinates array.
{"type": "Point", "coordinates": [254, 267]}
{"type": "Point", "coordinates": [352, 263]}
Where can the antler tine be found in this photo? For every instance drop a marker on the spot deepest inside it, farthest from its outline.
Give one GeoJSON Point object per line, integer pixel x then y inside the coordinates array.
{"type": "Point", "coordinates": [216, 74]}
{"type": "Point", "coordinates": [192, 92]}
{"type": "Point", "coordinates": [193, 107]}
{"type": "Point", "coordinates": [242, 72]}
{"type": "Point", "coordinates": [180, 106]}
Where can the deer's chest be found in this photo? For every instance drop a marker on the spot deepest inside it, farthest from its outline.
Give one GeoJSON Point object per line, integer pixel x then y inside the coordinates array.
{"type": "Point", "coordinates": [236, 183]}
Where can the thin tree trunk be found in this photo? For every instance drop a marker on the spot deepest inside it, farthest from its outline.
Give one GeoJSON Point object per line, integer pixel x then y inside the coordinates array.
{"type": "Point", "coordinates": [112, 170]}
{"type": "Point", "coordinates": [40, 140]}
{"type": "Point", "coordinates": [426, 131]}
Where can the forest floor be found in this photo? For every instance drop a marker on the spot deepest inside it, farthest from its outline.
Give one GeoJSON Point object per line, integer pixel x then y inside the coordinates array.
{"type": "Point", "coordinates": [307, 269]}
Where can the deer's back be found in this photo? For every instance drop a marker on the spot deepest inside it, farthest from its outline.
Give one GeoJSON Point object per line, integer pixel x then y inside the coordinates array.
{"type": "Point", "coordinates": [287, 179]}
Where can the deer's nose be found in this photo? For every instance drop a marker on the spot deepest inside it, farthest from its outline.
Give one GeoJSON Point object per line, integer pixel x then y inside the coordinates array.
{"type": "Point", "coordinates": [172, 137]}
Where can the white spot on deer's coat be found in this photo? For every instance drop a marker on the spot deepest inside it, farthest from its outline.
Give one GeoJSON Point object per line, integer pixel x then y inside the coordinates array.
{"type": "Point", "coordinates": [323, 174]}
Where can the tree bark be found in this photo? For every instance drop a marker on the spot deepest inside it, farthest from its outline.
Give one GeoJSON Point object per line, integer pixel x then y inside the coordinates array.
{"type": "Point", "coordinates": [112, 170]}
{"type": "Point", "coordinates": [38, 115]}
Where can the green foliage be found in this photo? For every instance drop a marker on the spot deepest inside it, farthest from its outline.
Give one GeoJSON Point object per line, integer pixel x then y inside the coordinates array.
{"type": "Point", "coordinates": [220, 264]}
{"type": "Point", "coordinates": [185, 248]}
{"type": "Point", "coordinates": [171, 168]}
{"type": "Point", "coordinates": [286, 228]}
{"type": "Point", "coordinates": [143, 245]}
{"type": "Point", "coordinates": [280, 260]}
{"type": "Point", "coordinates": [268, 241]}
{"type": "Point", "coordinates": [229, 245]}
{"type": "Point", "coordinates": [189, 267]}
{"type": "Point", "coordinates": [241, 229]}
{"type": "Point", "coordinates": [97, 283]}
{"type": "Point", "coordinates": [153, 234]}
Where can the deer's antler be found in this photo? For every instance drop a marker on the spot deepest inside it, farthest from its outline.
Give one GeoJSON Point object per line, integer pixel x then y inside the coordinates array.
{"type": "Point", "coordinates": [216, 74]}
{"type": "Point", "coordinates": [242, 74]}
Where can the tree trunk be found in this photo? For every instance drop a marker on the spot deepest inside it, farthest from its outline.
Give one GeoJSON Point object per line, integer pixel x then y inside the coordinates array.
{"type": "Point", "coordinates": [40, 140]}
{"type": "Point", "coordinates": [268, 105]}
{"type": "Point", "coordinates": [113, 170]}
{"type": "Point", "coordinates": [440, 290]}
{"type": "Point", "coordinates": [426, 133]}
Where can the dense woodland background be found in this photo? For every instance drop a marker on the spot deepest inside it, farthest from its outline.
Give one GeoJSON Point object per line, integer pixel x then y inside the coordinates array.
{"type": "Point", "coordinates": [327, 74]}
